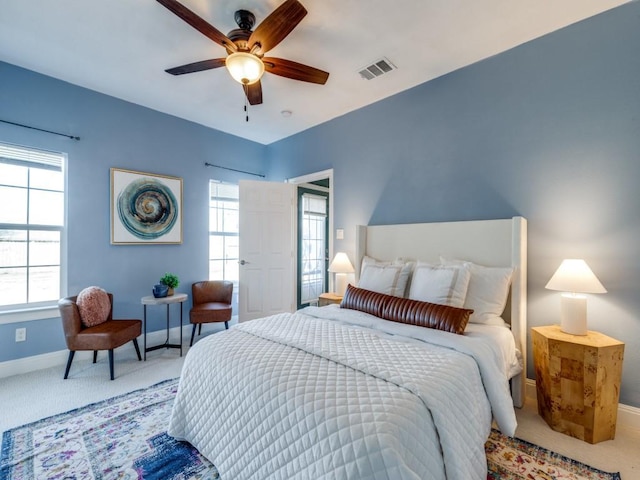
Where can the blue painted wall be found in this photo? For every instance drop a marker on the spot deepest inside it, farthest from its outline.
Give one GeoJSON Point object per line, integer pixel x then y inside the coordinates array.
{"type": "Point", "coordinates": [115, 133]}
{"type": "Point", "coordinates": [549, 130]}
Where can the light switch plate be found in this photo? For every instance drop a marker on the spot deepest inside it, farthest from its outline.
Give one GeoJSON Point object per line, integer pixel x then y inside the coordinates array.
{"type": "Point", "coordinates": [21, 334]}
{"type": "Point", "coordinates": [340, 234]}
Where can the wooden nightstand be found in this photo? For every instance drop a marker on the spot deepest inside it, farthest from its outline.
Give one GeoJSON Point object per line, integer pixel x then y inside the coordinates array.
{"type": "Point", "coordinates": [328, 299]}
{"type": "Point", "coordinates": [578, 382]}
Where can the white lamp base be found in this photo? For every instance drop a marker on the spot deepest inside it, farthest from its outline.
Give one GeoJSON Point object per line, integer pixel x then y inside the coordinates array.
{"type": "Point", "coordinates": [573, 314]}
{"type": "Point", "coordinates": [341, 283]}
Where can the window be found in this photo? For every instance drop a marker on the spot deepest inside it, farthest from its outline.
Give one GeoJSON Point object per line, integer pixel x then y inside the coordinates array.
{"type": "Point", "coordinates": [313, 245]}
{"type": "Point", "coordinates": [224, 202]}
{"type": "Point", "coordinates": [32, 192]}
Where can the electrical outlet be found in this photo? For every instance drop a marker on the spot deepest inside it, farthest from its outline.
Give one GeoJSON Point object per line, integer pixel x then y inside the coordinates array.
{"type": "Point", "coordinates": [21, 334]}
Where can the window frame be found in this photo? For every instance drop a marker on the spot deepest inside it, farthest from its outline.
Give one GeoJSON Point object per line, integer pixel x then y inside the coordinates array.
{"type": "Point", "coordinates": [223, 234]}
{"type": "Point", "coordinates": [25, 157]}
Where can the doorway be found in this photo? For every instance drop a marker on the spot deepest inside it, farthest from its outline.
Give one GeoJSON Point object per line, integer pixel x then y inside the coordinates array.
{"type": "Point", "coordinates": [269, 244]}
{"type": "Point", "coordinates": [318, 184]}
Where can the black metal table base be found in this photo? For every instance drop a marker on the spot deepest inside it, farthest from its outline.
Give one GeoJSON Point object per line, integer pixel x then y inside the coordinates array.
{"type": "Point", "coordinates": [166, 343]}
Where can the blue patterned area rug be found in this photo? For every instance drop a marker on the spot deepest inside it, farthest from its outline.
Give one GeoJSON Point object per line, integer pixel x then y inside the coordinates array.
{"type": "Point", "coordinates": [125, 438]}
{"type": "Point", "coordinates": [515, 459]}
{"type": "Point", "coordinates": [120, 438]}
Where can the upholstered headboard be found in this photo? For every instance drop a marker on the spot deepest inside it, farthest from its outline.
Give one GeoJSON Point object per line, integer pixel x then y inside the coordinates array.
{"type": "Point", "coordinates": [493, 243]}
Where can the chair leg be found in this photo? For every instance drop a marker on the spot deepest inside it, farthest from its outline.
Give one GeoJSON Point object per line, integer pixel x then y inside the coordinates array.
{"type": "Point", "coordinates": [199, 329]}
{"type": "Point", "coordinates": [226, 325]}
{"type": "Point", "coordinates": [95, 356]}
{"type": "Point", "coordinates": [135, 344]}
{"type": "Point", "coordinates": [71, 354]}
{"type": "Point", "coordinates": [193, 332]}
{"type": "Point", "coordinates": [111, 362]}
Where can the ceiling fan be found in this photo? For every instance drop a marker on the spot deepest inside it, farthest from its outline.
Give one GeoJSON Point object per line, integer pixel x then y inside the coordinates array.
{"type": "Point", "coordinates": [245, 47]}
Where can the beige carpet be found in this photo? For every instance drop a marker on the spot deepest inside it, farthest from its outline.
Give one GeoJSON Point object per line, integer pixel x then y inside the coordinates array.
{"type": "Point", "coordinates": [29, 397]}
{"type": "Point", "coordinates": [619, 455]}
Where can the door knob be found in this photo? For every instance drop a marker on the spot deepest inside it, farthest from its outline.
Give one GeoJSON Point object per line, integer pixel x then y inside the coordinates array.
{"type": "Point", "coordinates": [242, 262]}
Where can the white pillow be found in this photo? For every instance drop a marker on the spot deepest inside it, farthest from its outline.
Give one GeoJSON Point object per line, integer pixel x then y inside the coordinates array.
{"type": "Point", "coordinates": [389, 278]}
{"type": "Point", "coordinates": [367, 261]}
{"type": "Point", "coordinates": [488, 290]}
{"type": "Point", "coordinates": [442, 284]}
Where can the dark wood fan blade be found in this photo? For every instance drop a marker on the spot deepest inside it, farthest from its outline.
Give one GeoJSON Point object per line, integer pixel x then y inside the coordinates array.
{"type": "Point", "coordinates": [199, 23]}
{"type": "Point", "coordinates": [197, 66]}
{"type": "Point", "coordinates": [295, 70]}
{"type": "Point", "coordinates": [253, 93]}
{"type": "Point", "coordinates": [273, 29]}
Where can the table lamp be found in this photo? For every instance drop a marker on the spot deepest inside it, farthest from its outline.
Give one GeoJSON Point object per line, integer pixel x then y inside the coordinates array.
{"type": "Point", "coordinates": [341, 266]}
{"type": "Point", "coordinates": [574, 277]}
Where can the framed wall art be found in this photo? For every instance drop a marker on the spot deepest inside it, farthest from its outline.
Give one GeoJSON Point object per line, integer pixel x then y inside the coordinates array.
{"type": "Point", "coordinates": [145, 208]}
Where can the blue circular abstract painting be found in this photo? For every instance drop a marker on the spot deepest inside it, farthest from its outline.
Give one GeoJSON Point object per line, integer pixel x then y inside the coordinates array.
{"type": "Point", "coordinates": [147, 208]}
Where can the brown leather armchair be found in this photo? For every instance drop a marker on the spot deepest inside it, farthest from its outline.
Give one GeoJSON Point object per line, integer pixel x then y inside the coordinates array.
{"type": "Point", "coordinates": [211, 303]}
{"type": "Point", "coordinates": [105, 336]}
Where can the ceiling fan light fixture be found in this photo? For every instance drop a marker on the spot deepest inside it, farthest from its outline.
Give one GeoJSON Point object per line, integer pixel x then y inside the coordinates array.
{"type": "Point", "coordinates": [244, 67]}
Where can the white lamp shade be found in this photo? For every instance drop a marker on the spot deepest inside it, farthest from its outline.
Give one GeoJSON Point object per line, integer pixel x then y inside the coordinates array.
{"type": "Point", "coordinates": [244, 67]}
{"type": "Point", "coordinates": [574, 275]}
{"type": "Point", "coordinates": [341, 264]}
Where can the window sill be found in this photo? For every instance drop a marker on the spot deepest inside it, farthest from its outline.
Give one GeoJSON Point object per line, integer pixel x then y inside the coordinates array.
{"type": "Point", "coordinates": [29, 314]}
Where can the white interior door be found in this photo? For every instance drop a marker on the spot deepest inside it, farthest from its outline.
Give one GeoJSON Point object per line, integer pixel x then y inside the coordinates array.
{"type": "Point", "coordinates": [267, 249]}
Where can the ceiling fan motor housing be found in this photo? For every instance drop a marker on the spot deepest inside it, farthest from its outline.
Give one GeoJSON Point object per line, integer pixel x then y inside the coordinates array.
{"type": "Point", "coordinates": [240, 36]}
{"type": "Point", "coordinates": [245, 19]}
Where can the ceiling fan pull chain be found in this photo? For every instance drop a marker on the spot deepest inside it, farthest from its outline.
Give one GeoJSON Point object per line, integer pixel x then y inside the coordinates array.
{"type": "Point", "coordinates": [246, 106]}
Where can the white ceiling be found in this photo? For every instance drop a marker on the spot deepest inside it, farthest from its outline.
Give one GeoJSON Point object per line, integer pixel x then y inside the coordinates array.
{"type": "Point", "coordinates": [122, 47]}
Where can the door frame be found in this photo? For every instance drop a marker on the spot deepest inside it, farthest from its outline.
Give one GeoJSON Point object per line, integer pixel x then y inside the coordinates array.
{"type": "Point", "coordinates": [314, 177]}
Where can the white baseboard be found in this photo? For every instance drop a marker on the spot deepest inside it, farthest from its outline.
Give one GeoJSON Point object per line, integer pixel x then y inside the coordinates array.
{"type": "Point", "coordinates": [530, 391]}
{"type": "Point", "coordinates": [52, 359]}
{"type": "Point", "coordinates": [627, 415]}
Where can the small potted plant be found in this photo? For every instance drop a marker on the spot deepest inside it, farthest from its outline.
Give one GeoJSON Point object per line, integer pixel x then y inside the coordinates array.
{"type": "Point", "coordinates": [171, 281]}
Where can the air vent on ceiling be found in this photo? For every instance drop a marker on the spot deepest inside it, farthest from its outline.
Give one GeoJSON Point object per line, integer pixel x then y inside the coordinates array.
{"type": "Point", "coordinates": [376, 69]}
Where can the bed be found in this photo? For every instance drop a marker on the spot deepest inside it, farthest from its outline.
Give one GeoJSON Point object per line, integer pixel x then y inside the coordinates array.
{"type": "Point", "coordinates": [363, 390]}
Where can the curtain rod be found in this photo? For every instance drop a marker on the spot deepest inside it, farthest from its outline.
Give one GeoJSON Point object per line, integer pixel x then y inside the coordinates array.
{"type": "Point", "coordinates": [207, 164]}
{"type": "Point", "coordinates": [40, 129]}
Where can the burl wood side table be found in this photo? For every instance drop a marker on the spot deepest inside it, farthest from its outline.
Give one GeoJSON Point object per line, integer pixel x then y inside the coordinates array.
{"type": "Point", "coordinates": [578, 382]}
{"type": "Point", "coordinates": [328, 299]}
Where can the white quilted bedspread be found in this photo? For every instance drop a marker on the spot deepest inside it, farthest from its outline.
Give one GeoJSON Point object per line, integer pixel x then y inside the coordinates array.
{"type": "Point", "coordinates": [293, 396]}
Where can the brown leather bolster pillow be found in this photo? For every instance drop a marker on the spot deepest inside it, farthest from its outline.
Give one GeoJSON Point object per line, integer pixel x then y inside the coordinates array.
{"type": "Point", "coordinates": [404, 310]}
